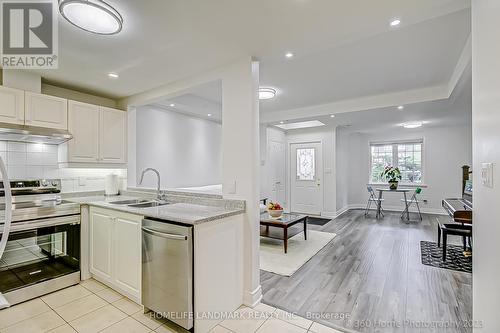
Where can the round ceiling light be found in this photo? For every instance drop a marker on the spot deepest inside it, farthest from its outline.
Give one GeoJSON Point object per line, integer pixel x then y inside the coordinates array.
{"type": "Point", "coordinates": [416, 124]}
{"type": "Point", "coordinates": [395, 22]}
{"type": "Point", "coordinates": [94, 16]}
{"type": "Point", "coordinates": [267, 93]}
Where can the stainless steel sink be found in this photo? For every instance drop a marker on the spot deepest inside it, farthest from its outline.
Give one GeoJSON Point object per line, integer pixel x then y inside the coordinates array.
{"type": "Point", "coordinates": [129, 202]}
{"type": "Point", "coordinates": [148, 204]}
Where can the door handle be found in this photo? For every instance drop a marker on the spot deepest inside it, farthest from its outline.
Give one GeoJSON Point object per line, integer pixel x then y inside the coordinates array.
{"type": "Point", "coordinates": [163, 234]}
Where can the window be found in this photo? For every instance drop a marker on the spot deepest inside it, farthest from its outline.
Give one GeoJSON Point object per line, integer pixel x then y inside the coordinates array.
{"type": "Point", "coordinates": [306, 166]}
{"type": "Point", "coordinates": [406, 155]}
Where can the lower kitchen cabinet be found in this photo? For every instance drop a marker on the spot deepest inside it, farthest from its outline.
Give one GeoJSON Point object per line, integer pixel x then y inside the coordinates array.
{"type": "Point", "coordinates": [115, 250]}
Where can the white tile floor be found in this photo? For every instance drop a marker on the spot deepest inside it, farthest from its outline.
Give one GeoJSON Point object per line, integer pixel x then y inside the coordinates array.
{"type": "Point", "coordinates": [92, 307]}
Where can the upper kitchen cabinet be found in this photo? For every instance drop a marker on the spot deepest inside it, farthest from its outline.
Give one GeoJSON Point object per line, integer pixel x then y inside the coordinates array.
{"type": "Point", "coordinates": [46, 111]}
{"type": "Point", "coordinates": [113, 137]}
{"type": "Point", "coordinates": [83, 124]}
{"type": "Point", "coordinates": [99, 137]}
{"type": "Point", "coordinates": [11, 105]}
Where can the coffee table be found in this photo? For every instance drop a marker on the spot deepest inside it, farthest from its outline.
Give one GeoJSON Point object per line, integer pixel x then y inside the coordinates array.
{"type": "Point", "coordinates": [284, 222]}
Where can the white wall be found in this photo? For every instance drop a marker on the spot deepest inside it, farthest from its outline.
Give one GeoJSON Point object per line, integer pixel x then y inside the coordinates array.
{"type": "Point", "coordinates": [446, 149]}
{"type": "Point", "coordinates": [186, 150]}
{"type": "Point", "coordinates": [39, 161]}
{"type": "Point", "coordinates": [486, 139]}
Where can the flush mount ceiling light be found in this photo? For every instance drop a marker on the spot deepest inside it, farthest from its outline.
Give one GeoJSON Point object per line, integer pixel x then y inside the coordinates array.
{"type": "Point", "coordinates": [94, 16]}
{"type": "Point", "coordinates": [172, 105]}
{"type": "Point", "coordinates": [401, 107]}
{"type": "Point", "coordinates": [302, 124]}
{"type": "Point", "coordinates": [209, 115]}
{"type": "Point", "coordinates": [395, 22]}
{"type": "Point", "coordinates": [413, 124]}
{"type": "Point", "coordinates": [267, 93]}
{"type": "Point", "coordinates": [113, 75]}
{"type": "Point", "coordinates": [289, 55]}
{"type": "Point", "coordinates": [332, 116]}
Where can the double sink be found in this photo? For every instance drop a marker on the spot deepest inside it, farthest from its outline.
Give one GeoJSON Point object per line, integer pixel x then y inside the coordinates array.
{"type": "Point", "coordinates": [139, 203]}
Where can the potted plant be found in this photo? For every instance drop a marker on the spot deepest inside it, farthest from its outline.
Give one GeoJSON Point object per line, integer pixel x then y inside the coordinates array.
{"type": "Point", "coordinates": [392, 175]}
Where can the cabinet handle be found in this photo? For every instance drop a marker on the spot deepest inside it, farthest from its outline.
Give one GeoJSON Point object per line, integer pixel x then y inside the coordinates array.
{"type": "Point", "coordinates": [163, 234]}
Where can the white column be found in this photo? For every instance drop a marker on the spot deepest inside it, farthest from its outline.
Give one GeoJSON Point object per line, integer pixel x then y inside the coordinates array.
{"type": "Point", "coordinates": [131, 146]}
{"type": "Point", "coordinates": [240, 166]}
{"type": "Point", "coordinates": [486, 139]}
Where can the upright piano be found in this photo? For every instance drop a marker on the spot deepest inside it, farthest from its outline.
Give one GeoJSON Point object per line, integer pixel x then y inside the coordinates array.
{"type": "Point", "coordinates": [460, 209]}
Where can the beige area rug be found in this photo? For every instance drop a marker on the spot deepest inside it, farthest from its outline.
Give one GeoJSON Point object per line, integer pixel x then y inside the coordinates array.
{"type": "Point", "coordinates": [273, 258]}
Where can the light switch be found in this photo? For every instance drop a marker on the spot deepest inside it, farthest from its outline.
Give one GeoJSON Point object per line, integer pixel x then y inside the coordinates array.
{"type": "Point", "coordinates": [487, 174]}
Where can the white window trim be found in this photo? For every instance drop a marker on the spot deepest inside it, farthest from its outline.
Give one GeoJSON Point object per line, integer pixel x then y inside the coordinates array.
{"type": "Point", "coordinates": [394, 157]}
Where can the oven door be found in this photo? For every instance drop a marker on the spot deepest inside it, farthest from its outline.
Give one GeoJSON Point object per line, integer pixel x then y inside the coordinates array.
{"type": "Point", "coordinates": [40, 250]}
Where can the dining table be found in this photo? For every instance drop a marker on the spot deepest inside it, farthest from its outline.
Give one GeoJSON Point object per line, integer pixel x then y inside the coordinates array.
{"type": "Point", "coordinates": [404, 191]}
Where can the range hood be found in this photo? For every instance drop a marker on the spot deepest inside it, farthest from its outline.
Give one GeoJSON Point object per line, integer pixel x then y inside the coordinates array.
{"type": "Point", "coordinates": [25, 133]}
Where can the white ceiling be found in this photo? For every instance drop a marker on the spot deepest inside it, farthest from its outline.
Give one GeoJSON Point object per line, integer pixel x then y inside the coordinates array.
{"type": "Point", "coordinates": [344, 49]}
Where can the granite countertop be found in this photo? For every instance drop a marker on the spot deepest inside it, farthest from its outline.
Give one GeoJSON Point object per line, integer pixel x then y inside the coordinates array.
{"type": "Point", "coordinates": [187, 213]}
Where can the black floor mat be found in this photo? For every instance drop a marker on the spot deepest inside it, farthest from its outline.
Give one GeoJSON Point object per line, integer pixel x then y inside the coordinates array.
{"type": "Point", "coordinates": [432, 255]}
{"type": "Point", "coordinates": [317, 220]}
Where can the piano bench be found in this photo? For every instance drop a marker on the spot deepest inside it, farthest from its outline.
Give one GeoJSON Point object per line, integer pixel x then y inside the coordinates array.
{"type": "Point", "coordinates": [445, 229]}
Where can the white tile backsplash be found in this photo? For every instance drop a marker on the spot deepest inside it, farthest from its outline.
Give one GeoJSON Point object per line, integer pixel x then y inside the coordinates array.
{"type": "Point", "coordinates": [38, 161]}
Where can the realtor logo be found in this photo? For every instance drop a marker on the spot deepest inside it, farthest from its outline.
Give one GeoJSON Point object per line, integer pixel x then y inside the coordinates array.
{"type": "Point", "coordinates": [29, 34]}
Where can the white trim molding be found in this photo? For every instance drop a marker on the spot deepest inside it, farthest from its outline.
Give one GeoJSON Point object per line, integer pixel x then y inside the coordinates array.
{"type": "Point", "coordinates": [252, 298]}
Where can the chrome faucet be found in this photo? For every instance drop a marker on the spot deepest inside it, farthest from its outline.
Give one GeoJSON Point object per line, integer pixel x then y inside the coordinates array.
{"type": "Point", "coordinates": [159, 195]}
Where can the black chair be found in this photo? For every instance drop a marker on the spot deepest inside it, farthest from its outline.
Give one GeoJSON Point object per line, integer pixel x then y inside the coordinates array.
{"type": "Point", "coordinates": [455, 229]}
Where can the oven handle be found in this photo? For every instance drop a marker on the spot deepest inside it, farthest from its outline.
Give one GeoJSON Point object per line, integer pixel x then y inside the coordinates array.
{"type": "Point", "coordinates": [8, 210]}
{"type": "Point", "coordinates": [43, 223]}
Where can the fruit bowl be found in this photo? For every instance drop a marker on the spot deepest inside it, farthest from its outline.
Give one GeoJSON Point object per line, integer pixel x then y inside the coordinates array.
{"type": "Point", "coordinates": [275, 213]}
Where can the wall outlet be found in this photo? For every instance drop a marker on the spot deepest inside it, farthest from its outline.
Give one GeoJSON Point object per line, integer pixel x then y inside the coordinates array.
{"type": "Point", "coordinates": [487, 174]}
{"type": "Point", "coordinates": [425, 201]}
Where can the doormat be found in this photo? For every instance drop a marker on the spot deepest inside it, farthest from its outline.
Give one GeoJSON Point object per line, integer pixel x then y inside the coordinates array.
{"type": "Point", "coordinates": [317, 220]}
{"type": "Point", "coordinates": [432, 255]}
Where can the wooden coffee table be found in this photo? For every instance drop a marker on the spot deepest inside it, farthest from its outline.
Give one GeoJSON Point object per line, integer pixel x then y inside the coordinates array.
{"type": "Point", "coordinates": [284, 222]}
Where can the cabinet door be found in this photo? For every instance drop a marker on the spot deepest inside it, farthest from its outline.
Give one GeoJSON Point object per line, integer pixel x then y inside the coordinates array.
{"type": "Point", "coordinates": [127, 257]}
{"type": "Point", "coordinates": [113, 136]}
{"type": "Point", "coordinates": [46, 111]}
{"type": "Point", "coordinates": [11, 106]}
{"type": "Point", "coordinates": [101, 245]}
{"type": "Point", "coordinates": [83, 123]}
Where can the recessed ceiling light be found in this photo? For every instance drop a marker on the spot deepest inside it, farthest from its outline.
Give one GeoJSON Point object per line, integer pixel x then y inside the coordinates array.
{"type": "Point", "coordinates": [289, 55]}
{"type": "Point", "coordinates": [113, 75]}
{"type": "Point", "coordinates": [395, 22]}
{"type": "Point", "coordinates": [172, 105]}
{"type": "Point", "coordinates": [302, 124]}
{"type": "Point", "coordinates": [210, 115]}
{"type": "Point", "coordinates": [267, 93]}
{"type": "Point", "coordinates": [401, 107]}
{"type": "Point", "coordinates": [413, 124]}
{"type": "Point", "coordinates": [94, 16]}
{"type": "Point", "coordinates": [332, 116]}
{"type": "Point", "coordinates": [282, 122]}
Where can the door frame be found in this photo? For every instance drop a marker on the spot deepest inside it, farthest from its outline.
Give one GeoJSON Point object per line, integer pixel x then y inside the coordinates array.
{"type": "Point", "coordinates": [289, 172]}
{"type": "Point", "coordinates": [285, 175]}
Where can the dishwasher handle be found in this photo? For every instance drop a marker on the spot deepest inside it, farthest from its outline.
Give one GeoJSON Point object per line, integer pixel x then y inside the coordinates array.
{"type": "Point", "coordinates": [163, 234]}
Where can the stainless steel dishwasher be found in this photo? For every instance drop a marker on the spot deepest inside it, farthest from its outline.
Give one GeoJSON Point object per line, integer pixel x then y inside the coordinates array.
{"type": "Point", "coordinates": [167, 271]}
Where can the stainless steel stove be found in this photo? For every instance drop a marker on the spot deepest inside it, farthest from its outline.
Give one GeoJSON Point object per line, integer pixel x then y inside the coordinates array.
{"type": "Point", "coordinates": [43, 248]}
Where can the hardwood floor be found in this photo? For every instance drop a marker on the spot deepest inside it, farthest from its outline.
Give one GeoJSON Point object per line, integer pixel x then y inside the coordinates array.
{"type": "Point", "coordinates": [371, 272]}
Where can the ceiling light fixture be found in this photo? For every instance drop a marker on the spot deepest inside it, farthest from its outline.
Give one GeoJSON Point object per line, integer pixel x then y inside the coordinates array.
{"type": "Point", "coordinates": [172, 105]}
{"type": "Point", "coordinates": [332, 116]}
{"type": "Point", "coordinates": [210, 115]}
{"type": "Point", "coordinates": [289, 55]}
{"type": "Point", "coordinates": [282, 122]}
{"type": "Point", "coordinates": [401, 107]}
{"type": "Point", "coordinates": [413, 124]}
{"type": "Point", "coordinates": [113, 75]}
{"type": "Point", "coordinates": [267, 93]}
{"type": "Point", "coordinates": [302, 124]}
{"type": "Point", "coordinates": [395, 22]}
{"type": "Point", "coordinates": [94, 16]}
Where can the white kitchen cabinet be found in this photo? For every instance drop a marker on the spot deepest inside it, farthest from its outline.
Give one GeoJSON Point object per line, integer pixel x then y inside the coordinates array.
{"type": "Point", "coordinates": [115, 250]}
{"type": "Point", "coordinates": [11, 105]}
{"type": "Point", "coordinates": [46, 111]}
{"type": "Point", "coordinates": [83, 124]}
{"type": "Point", "coordinates": [113, 136]}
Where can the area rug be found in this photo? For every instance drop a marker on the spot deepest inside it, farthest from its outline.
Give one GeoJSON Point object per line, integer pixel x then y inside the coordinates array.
{"type": "Point", "coordinates": [432, 255]}
{"type": "Point", "coordinates": [273, 258]}
{"type": "Point", "coordinates": [317, 220]}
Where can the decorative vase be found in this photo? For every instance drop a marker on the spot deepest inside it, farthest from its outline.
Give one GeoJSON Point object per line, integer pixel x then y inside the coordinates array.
{"type": "Point", "coordinates": [393, 185]}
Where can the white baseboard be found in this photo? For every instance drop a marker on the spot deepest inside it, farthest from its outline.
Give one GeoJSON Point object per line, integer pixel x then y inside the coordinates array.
{"type": "Point", "coordinates": [425, 210]}
{"type": "Point", "coordinates": [252, 298]}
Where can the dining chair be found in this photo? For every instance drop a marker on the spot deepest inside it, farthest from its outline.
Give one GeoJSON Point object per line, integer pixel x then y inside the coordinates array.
{"type": "Point", "coordinates": [372, 198]}
{"type": "Point", "coordinates": [413, 200]}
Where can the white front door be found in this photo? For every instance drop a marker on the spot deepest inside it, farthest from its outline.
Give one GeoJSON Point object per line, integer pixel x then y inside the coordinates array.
{"type": "Point", "coordinates": [306, 173]}
{"type": "Point", "coordinates": [277, 167]}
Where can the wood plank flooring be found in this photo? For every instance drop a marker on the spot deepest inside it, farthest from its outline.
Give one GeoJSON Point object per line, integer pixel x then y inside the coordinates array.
{"type": "Point", "coordinates": [372, 273]}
